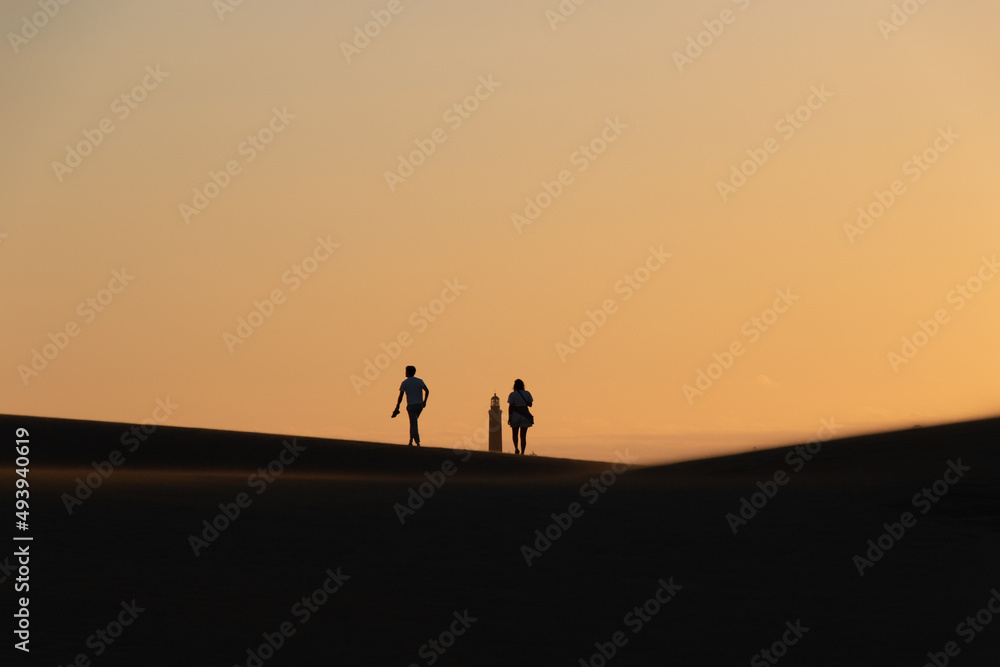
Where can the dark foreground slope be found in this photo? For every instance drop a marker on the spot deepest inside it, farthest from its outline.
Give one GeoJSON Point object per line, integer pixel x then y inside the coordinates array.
{"type": "Point", "coordinates": [461, 552]}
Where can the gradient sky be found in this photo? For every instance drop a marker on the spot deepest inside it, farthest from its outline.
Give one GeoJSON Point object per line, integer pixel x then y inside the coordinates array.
{"type": "Point", "coordinates": [678, 128]}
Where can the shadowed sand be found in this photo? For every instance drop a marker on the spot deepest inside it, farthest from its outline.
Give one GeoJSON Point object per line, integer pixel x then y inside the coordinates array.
{"type": "Point", "coordinates": [338, 505]}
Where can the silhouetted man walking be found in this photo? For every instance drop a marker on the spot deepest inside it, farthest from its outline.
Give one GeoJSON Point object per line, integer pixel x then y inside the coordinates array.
{"type": "Point", "coordinates": [416, 400]}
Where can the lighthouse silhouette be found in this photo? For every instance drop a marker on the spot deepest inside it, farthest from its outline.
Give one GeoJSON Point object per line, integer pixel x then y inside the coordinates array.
{"type": "Point", "coordinates": [496, 430]}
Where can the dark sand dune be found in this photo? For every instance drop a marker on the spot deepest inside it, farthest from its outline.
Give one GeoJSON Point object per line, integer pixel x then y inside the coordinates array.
{"type": "Point", "coordinates": [337, 506]}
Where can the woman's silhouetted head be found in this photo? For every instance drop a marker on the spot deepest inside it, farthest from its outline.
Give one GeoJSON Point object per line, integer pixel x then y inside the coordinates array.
{"type": "Point", "coordinates": [518, 385]}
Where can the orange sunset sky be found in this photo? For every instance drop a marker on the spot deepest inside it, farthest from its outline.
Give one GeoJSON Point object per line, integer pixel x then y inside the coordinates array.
{"type": "Point", "coordinates": [690, 228]}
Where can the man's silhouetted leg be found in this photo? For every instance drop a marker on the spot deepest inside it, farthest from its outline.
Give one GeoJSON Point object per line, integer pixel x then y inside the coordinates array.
{"type": "Point", "coordinates": [414, 412]}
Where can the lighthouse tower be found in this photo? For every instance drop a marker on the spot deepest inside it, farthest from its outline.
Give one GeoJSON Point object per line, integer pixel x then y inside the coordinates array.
{"type": "Point", "coordinates": [496, 430]}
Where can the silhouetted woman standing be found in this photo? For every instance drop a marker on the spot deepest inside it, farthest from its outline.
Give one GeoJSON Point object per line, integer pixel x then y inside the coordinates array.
{"type": "Point", "coordinates": [519, 417]}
